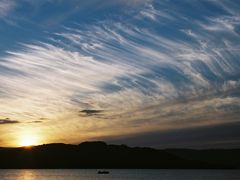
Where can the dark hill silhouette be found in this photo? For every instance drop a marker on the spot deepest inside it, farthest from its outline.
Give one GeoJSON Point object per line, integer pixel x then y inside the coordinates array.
{"type": "Point", "coordinates": [100, 155]}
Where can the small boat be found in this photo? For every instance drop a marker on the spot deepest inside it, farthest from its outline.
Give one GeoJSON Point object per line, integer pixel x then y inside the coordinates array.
{"type": "Point", "coordinates": [103, 172]}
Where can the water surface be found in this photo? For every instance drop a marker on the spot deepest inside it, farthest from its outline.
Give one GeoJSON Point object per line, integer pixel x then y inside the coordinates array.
{"type": "Point", "coordinates": [59, 174]}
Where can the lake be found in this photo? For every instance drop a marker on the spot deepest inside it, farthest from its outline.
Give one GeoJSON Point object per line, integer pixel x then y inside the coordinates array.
{"type": "Point", "coordinates": [59, 174]}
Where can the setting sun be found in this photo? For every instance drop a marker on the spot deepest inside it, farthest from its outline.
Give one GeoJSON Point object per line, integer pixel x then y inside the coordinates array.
{"type": "Point", "coordinates": [28, 140]}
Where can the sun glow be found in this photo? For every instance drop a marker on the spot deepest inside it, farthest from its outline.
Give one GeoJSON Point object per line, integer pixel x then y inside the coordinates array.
{"type": "Point", "coordinates": [28, 140]}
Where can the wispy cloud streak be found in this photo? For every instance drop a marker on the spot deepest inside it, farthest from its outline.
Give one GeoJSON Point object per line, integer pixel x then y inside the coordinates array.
{"type": "Point", "coordinates": [6, 6]}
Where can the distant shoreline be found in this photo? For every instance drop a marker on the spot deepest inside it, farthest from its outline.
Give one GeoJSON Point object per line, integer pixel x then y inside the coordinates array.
{"type": "Point", "coordinates": [99, 155]}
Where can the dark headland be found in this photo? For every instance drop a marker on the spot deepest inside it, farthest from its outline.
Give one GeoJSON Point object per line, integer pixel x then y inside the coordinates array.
{"type": "Point", "coordinates": [100, 155]}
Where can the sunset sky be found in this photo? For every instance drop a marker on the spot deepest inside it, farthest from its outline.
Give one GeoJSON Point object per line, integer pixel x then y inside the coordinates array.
{"type": "Point", "coordinates": [159, 73]}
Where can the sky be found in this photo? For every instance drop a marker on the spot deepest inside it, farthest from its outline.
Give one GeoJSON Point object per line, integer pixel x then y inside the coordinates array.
{"type": "Point", "coordinates": [157, 73]}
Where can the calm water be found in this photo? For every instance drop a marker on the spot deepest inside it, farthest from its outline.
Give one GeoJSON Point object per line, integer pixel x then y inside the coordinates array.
{"type": "Point", "coordinates": [120, 174]}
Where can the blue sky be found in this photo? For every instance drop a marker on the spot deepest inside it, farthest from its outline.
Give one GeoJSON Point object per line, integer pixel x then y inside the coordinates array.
{"type": "Point", "coordinates": [121, 71]}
